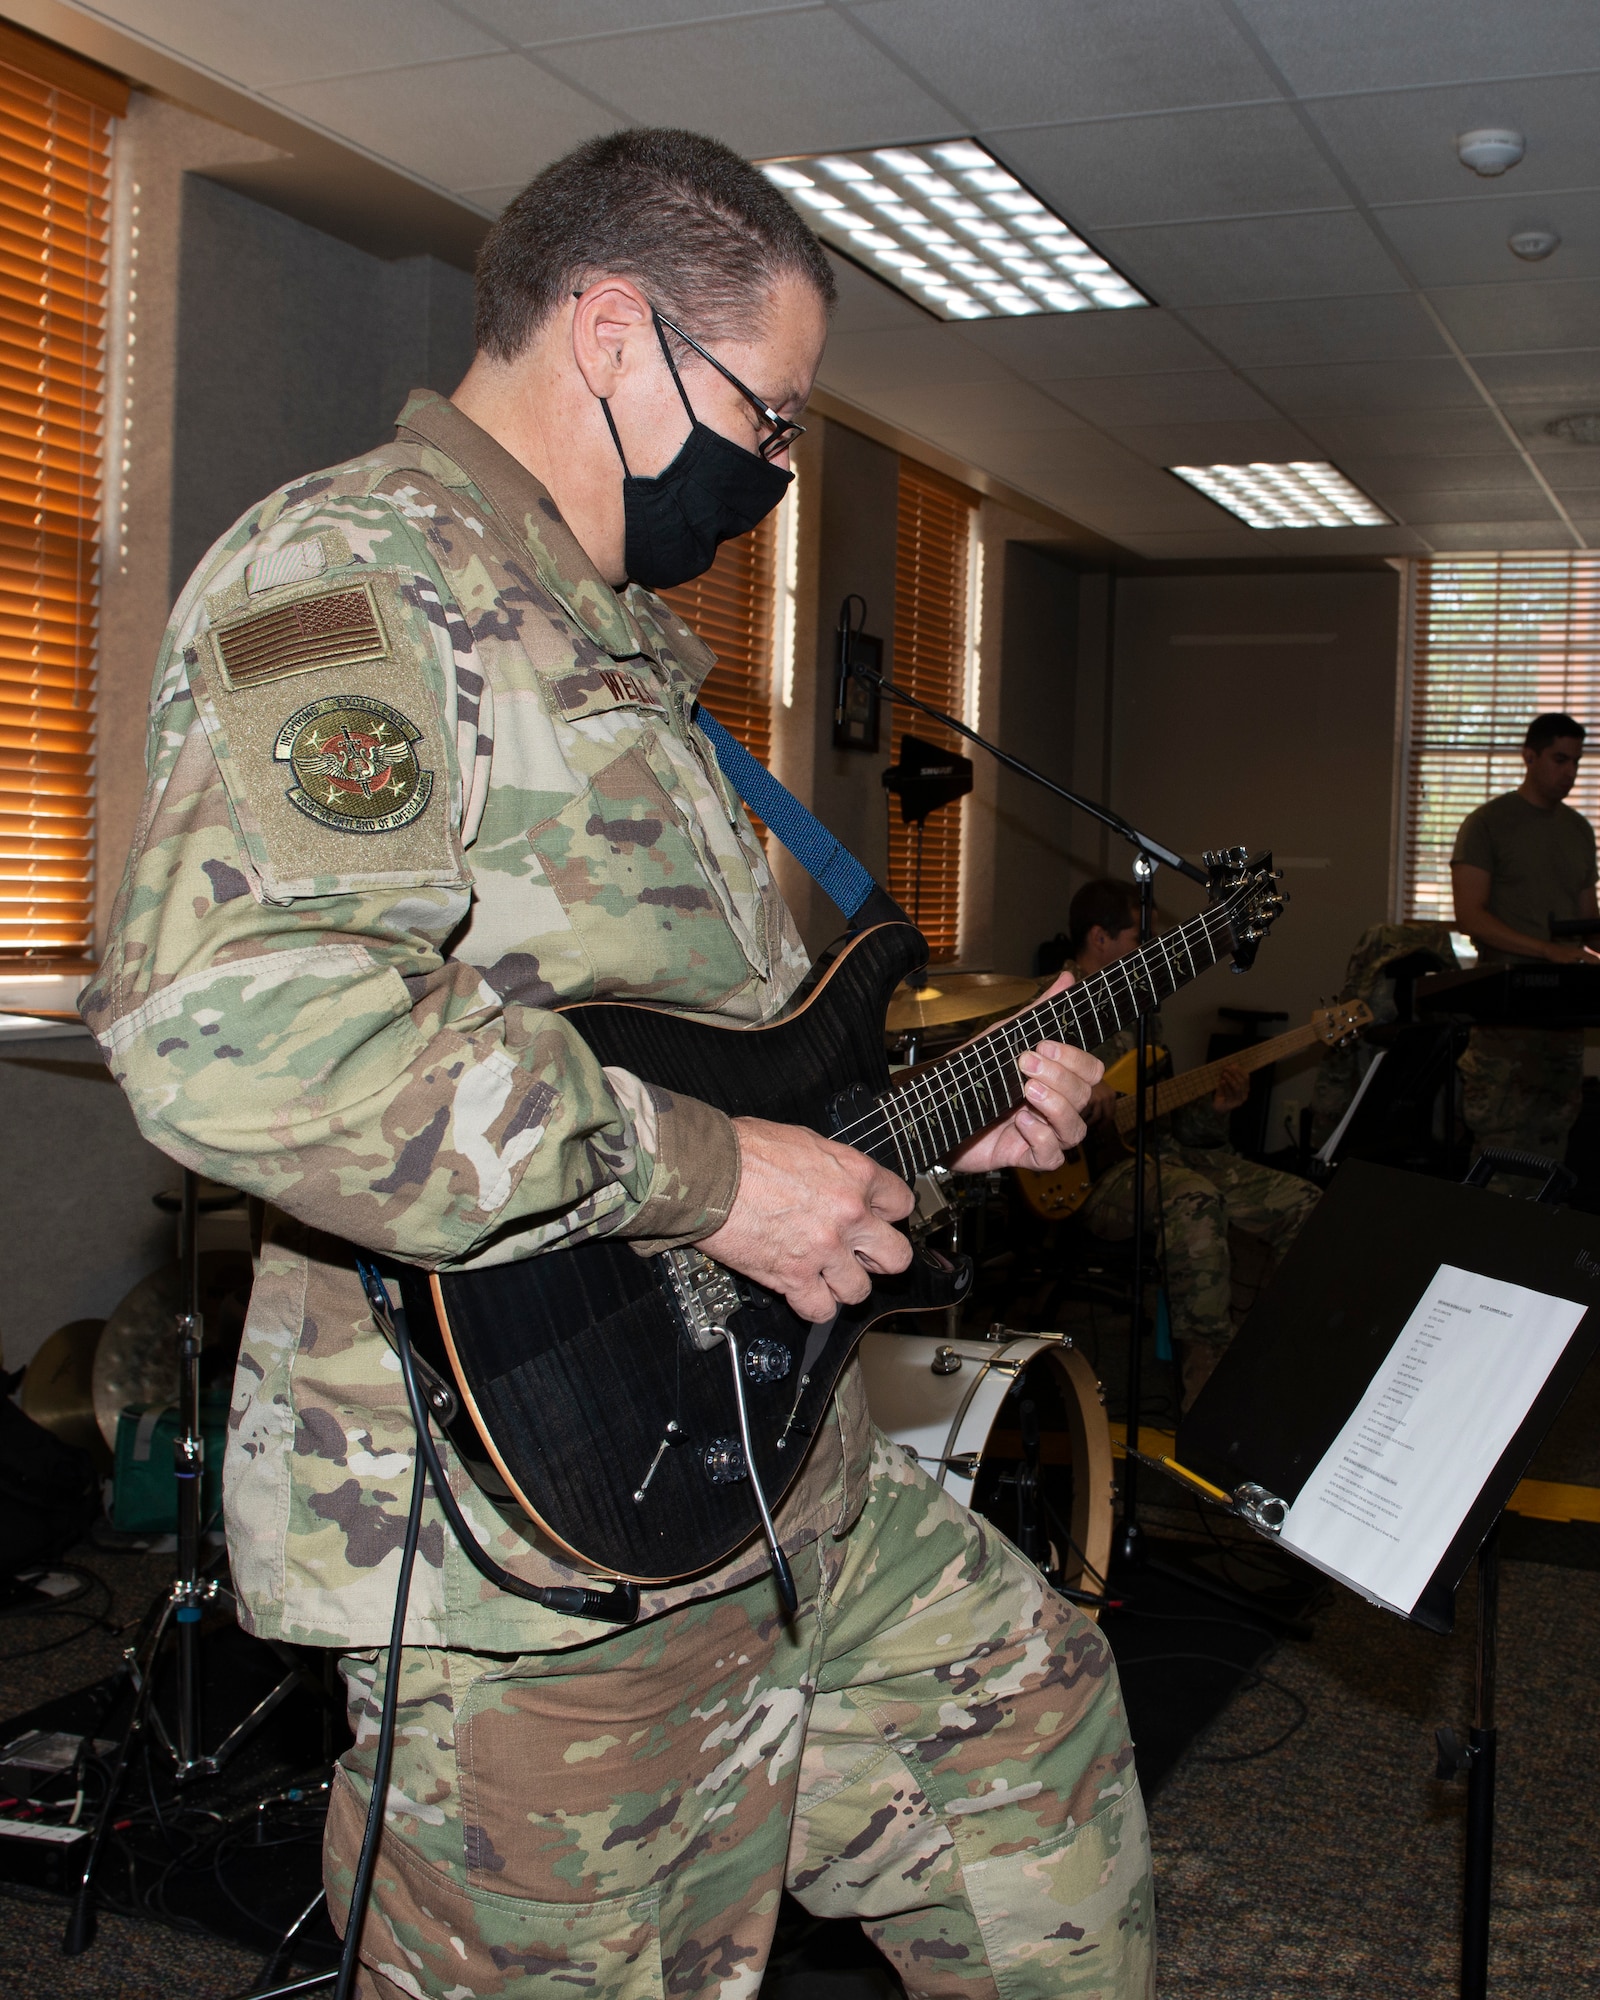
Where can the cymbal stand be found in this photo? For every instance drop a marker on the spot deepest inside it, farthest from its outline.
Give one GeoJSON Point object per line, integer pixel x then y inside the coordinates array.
{"type": "Point", "coordinates": [187, 1598]}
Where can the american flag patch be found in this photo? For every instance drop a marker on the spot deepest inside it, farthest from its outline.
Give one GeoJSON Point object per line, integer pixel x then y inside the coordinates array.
{"type": "Point", "coordinates": [335, 629]}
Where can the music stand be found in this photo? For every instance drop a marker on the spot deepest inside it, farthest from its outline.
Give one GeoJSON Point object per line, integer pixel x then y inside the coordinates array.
{"type": "Point", "coordinates": [1312, 1346]}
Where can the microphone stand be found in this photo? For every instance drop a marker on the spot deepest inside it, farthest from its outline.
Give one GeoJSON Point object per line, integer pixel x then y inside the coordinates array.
{"type": "Point", "coordinates": [1149, 854]}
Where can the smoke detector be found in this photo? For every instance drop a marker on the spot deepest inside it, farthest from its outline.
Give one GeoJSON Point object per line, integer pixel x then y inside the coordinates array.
{"type": "Point", "coordinates": [1582, 427]}
{"type": "Point", "coordinates": [1491, 150]}
{"type": "Point", "coordinates": [1533, 245]}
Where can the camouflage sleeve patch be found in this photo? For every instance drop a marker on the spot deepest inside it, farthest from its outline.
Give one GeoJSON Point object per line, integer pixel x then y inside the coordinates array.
{"type": "Point", "coordinates": [318, 701]}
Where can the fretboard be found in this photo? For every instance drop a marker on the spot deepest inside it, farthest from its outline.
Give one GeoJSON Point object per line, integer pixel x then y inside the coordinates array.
{"type": "Point", "coordinates": [926, 1116]}
{"type": "Point", "coordinates": [1178, 1090]}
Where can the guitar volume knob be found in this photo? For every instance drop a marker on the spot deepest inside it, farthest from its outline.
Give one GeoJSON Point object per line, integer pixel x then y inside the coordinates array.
{"type": "Point", "coordinates": [767, 1360]}
{"type": "Point", "coordinates": [724, 1462]}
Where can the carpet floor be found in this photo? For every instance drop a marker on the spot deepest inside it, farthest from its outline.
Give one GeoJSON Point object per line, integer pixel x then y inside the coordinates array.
{"type": "Point", "coordinates": [1329, 1867]}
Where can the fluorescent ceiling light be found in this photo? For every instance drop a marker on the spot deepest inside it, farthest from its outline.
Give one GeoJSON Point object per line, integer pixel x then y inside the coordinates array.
{"type": "Point", "coordinates": [952, 228]}
{"type": "Point", "coordinates": [1306, 494]}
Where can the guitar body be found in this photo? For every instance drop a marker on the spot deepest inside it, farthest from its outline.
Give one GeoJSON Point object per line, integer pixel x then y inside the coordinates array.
{"type": "Point", "coordinates": [592, 1392]}
{"type": "Point", "coordinates": [569, 1366]}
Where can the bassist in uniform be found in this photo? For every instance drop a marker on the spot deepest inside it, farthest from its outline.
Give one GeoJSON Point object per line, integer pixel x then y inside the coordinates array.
{"type": "Point", "coordinates": [423, 768]}
{"type": "Point", "coordinates": [1203, 1186]}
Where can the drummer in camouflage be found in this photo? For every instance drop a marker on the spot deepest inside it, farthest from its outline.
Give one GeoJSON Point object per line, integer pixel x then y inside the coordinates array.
{"type": "Point", "coordinates": [423, 766]}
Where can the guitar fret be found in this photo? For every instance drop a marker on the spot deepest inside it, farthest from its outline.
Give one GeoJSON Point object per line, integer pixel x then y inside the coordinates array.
{"type": "Point", "coordinates": [927, 1117]}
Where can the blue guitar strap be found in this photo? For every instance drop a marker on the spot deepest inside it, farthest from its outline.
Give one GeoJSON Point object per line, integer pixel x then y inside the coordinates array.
{"type": "Point", "coordinates": [830, 865]}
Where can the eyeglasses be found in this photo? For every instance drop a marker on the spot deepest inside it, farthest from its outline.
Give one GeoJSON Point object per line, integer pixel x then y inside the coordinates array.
{"type": "Point", "coordinates": [784, 429]}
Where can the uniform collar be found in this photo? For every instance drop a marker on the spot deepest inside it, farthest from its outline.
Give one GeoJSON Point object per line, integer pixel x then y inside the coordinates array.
{"type": "Point", "coordinates": [527, 513]}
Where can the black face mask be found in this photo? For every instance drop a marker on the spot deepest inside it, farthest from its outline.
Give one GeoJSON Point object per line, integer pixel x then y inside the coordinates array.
{"type": "Point", "coordinates": [711, 493]}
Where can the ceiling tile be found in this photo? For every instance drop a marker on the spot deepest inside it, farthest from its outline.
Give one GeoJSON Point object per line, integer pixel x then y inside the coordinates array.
{"type": "Point", "coordinates": [1516, 318]}
{"type": "Point", "coordinates": [1196, 396]}
{"type": "Point", "coordinates": [1370, 386]}
{"type": "Point", "coordinates": [765, 83]}
{"type": "Point", "coordinates": [532, 22]}
{"type": "Point", "coordinates": [1381, 474]}
{"type": "Point", "coordinates": [1398, 540]}
{"type": "Point", "coordinates": [491, 199]}
{"type": "Point", "coordinates": [461, 124]}
{"type": "Point", "coordinates": [1563, 382]}
{"type": "Point", "coordinates": [293, 40]}
{"type": "Point", "coordinates": [1272, 257]}
{"type": "Point", "coordinates": [1217, 444]}
{"type": "Point", "coordinates": [1245, 160]}
{"type": "Point", "coordinates": [1056, 347]}
{"type": "Point", "coordinates": [1573, 471]}
{"type": "Point", "coordinates": [968, 407]}
{"type": "Point", "coordinates": [1389, 327]}
{"type": "Point", "coordinates": [1450, 536]}
{"type": "Point", "coordinates": [1146, 517]}
{"type": "Point", "coordinates": [1352, 433]}
{"type": "Point", "coordinates": [1019, 62]}
{"type": "Point", "coordinates": [1464, 242]}
{"type": "Point", "coordinates": [1399, 145]}
{"type": "Point", "coordinates": [1371, 44]}
{"type": "Point", "coordinates": [906, 358]}
{"type": "Point", "coordinates": [1515, 504]}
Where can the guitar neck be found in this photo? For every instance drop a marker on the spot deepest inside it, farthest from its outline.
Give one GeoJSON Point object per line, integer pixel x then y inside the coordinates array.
{"type": "Point", "coordinates": [929, 1115]}
{"type": "Point", "coordinates": [1176, 1091]}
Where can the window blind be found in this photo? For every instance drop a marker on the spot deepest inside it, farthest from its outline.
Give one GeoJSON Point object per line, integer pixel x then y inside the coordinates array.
{"type": "Point", "coordinates": [733, 607]}
{"type": "Point", "coordinates": [1495, 641]}
{"type": "Point", "coordinates": [54, 165]}
{"type": "Point", "coordinates": [930, 649]}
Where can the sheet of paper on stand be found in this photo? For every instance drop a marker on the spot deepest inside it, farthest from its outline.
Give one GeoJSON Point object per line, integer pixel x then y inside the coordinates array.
{"type": "Point", "coordinates": [1386, 1500]}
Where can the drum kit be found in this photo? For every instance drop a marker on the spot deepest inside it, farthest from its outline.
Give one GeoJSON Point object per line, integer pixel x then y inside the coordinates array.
{"type": "Point", "coordinates": [1011, 1424]}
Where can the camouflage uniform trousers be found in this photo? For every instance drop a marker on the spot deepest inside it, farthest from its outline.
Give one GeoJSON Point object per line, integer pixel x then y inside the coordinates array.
{"type": "Point", "coordinates": [1202, 1191]}
{"type": "Point", "coordinates": [1522, 1088]}
{"type": "Point", "coordinates": [937, 1747]}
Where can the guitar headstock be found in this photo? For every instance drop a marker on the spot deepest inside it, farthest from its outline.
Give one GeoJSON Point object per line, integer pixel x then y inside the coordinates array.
{"type": "Point", "coordinates": [1339, 1022]}
{"type": "Point", "coordinates": [1246, 887]}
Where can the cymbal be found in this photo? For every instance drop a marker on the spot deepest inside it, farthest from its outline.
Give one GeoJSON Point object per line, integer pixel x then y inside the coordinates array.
{"type": "Point", "coordinates": [58, 1388]}
{"type": "Point", "coordinates": [136, 1358]}
{"type": "Point", "coordinates": [960, 996]}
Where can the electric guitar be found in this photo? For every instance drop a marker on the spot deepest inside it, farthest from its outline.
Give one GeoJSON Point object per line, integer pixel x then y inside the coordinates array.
{"type": "Point", "coordinates": [1057, 1195]}
{"type": "Point", "coordinates": [648, 1414]}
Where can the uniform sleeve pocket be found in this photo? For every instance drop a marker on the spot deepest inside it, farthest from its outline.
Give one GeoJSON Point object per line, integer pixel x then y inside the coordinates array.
{"type": "Point", "coordinates": [321, 710]}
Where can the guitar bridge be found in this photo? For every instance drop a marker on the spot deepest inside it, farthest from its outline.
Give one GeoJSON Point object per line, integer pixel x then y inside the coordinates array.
{"type": "Point", "coordinates": [706, 1294]}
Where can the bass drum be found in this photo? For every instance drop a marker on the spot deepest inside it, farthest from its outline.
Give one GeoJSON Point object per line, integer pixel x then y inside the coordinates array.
{"type": "Point", "coordinates": [981, 1415]}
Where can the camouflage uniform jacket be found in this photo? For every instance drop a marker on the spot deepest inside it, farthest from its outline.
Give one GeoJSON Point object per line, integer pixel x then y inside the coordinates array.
{"type": "Point", "coordinates": [1198, 1124]}
{"type": "Point", "coordinates": [416, 776]}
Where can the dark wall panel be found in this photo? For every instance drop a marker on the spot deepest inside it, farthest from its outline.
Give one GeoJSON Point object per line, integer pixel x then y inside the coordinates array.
{"type": "Point", "coordinates": [294, 351]}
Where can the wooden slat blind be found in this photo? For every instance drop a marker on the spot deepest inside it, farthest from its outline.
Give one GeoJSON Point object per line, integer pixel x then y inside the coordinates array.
{"type": "Point", "coordinates": [54, 165]}
{"type": "Point", "coordinates": [930, 650]}
{"type": "Point", "coordinates": [732, 607]}
{"type": "Point", "coordinates": [1496, 640]}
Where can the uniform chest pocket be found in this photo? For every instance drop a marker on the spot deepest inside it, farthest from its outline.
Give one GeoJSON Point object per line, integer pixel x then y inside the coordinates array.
{"type": "Point", "coordinates": [639, 892]}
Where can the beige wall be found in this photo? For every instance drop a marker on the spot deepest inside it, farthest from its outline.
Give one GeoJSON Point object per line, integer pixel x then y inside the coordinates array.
{"type": "Point", "coordinates": [155, 146]}
{"type": "Point", "coordinates": [1276, 730]}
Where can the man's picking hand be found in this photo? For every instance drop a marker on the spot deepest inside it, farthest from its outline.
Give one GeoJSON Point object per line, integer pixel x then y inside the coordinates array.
{"type": "Point", "coordinates": [1059, 1082]}
{"type": "Point", "coordinates": [811, 1219]}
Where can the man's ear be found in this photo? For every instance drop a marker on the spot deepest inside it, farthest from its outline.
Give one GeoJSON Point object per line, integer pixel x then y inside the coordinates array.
{"type": "Point", "coordinates": [609, 320]}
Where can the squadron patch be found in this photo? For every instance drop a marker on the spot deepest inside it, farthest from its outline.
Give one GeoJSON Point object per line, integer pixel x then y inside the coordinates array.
{"type": "Point", "coordinates": [355, 764]}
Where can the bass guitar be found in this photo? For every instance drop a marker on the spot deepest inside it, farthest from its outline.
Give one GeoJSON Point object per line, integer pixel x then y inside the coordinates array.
{"type": "Point", "coordinates": [648, 1414]}
{"type": "Point", "coordinates": [1056, 1195]}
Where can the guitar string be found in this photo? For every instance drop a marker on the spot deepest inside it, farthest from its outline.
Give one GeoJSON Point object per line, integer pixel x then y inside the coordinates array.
{"type": "Point", "coordinates": [924, 1095]}
{"type": "Point", "coordinates": [929, 1096]}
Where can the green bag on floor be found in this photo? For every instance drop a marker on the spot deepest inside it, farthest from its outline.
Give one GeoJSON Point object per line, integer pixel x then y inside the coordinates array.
{"type": "Point", "coordinates": [144, 1490]}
